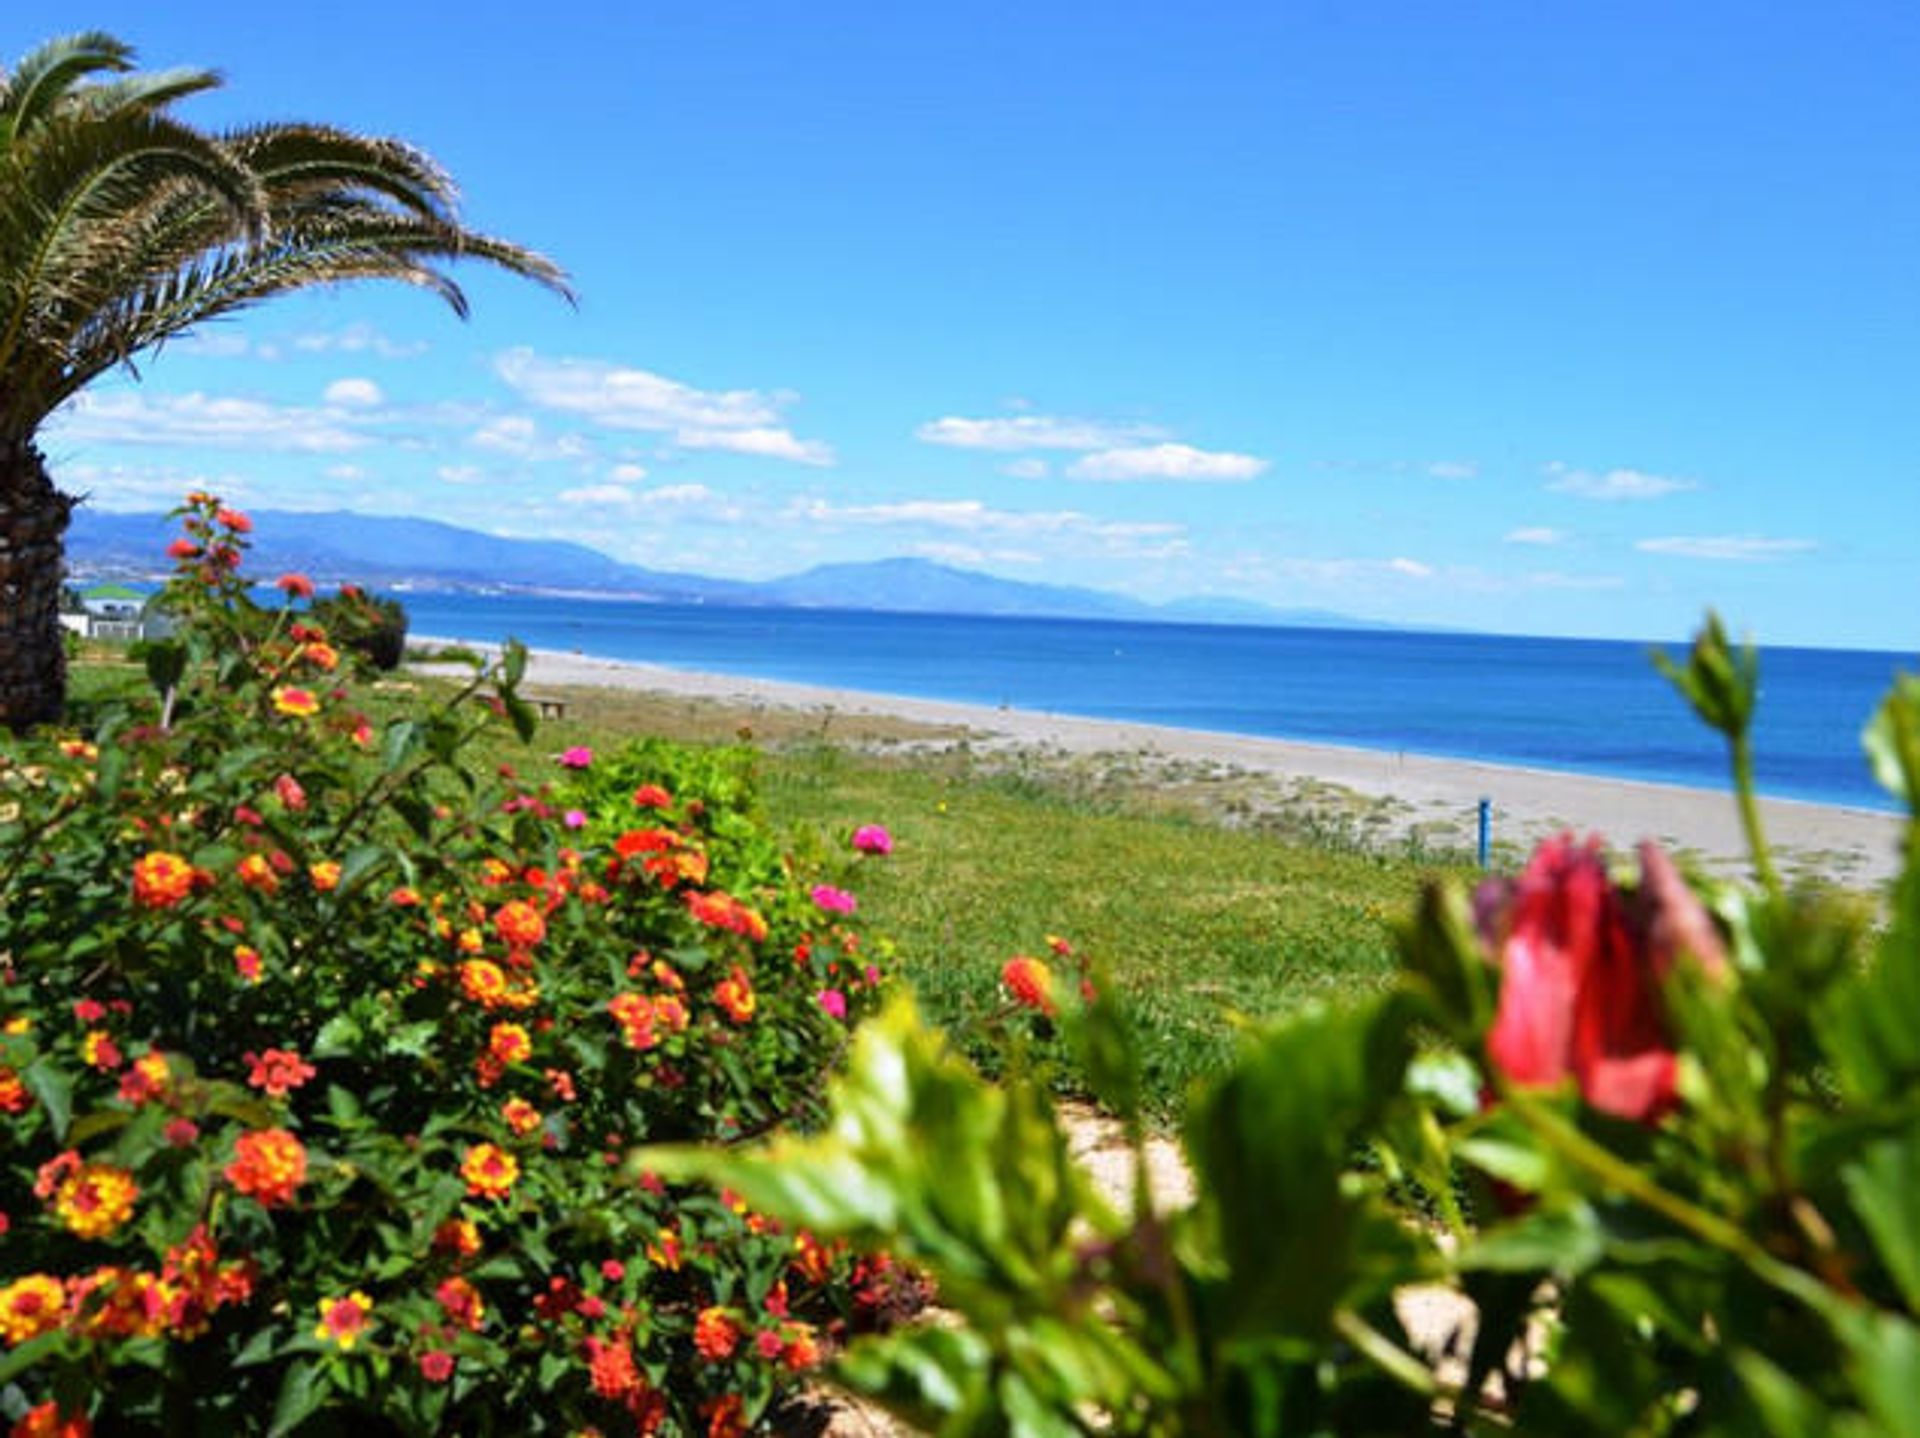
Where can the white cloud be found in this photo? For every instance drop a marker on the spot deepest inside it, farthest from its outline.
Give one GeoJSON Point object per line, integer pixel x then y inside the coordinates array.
{"type": "Point", "coordinates": [1033, 431]}
{"type": "Point", "coordinates": [345, 471]}
{"type": "Point", "coordinates": [743, 421]}
{"type": "Point", "coordinates": [199, 419]}
{"type": "Point", "coordinates": [1614, 484]}
{"type": "Point", "coordinates": [1412, 568]}
{"type": "Point", "coordinates": [1536, 534]}
{"type": "Point", "coordinates": [598, 494]}
{"type": "Point", "coordinates": [678, 494]}
{"type": "Point", "coordinates": [359, 338]}
{"type": "Point", "coordinates": [627, 473]}
{"type": "Point", "coordinates": [1453, 469]}
{"type": "Point", "coordinates": [765, 441]}
{"type": "Point", "coordinates": [970, 555]}
{"type": "Point", "coordinates": [1167, 461]}
{"type": "Point", "coordinates": [213, 344]}
{"type": "Point", "coordinates": [354, 393]}
{"type": "Point", "coordinates": [1554, 579]}
{"type": "Point", "coordinates": [1737, 548]}
{"type": "Point", "coordinates": [970, 516]}
{"type": "Point", "coordinates": [460, 473]}
{"type": "Point", "coordinates": [1027, 468]}
{"type": "Point", "coordinates": [520, 436]}
{"type": "Point", "coordinates": [145, 486]}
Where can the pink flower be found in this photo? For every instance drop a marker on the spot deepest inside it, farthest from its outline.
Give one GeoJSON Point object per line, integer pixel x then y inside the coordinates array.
{"type": "Point", "coordinates": [1582, 968]}
{"type": "Point", "coordinates": [574, 819]}
{"type": "Point", "coordinates": [834, 1002]}
{"type": "Point", "coordinates": [578, 757]}
{"type": "Point", "coordinates": [830, 900]}
{"type": "Point", "coordinates": [872, 839]}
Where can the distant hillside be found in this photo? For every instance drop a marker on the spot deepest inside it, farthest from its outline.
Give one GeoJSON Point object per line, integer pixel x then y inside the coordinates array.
{"type": "Point", "coordinates": [385, 551]}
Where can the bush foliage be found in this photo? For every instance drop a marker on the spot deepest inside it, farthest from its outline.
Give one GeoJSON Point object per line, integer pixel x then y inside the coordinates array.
{"type": "Point", "coordinates": [320, 1049]}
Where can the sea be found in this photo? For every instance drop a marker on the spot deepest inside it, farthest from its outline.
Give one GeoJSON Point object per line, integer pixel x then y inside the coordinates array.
{"type": "Point", "coordinates": [1585, 706]}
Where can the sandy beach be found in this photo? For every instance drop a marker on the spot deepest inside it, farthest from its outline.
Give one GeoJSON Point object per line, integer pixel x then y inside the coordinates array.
{"type": "Point", "coordinates": [1438, 798]}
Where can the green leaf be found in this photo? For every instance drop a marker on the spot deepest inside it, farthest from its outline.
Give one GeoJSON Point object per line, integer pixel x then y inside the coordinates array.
{"type": "Point", "coordinates": [402, 738]}
{"type": "Point", "coordinates": [513, 664]}
{"type": "Point", "coordinates": [1884, 1186]}
{"type": "Point", "coordinates": [1271, 1147]}
{"type": "Point", "coordinates": [1892, 741]}
{"type": "Point", "coordinates": [338, 1036]}
{"type": "Point", "coordinates": [166, 662]}
{"type": "Point", "coordinates": [359, 863]}
{"type": "Point", "coordinates": [525, 721]}
{"type": "Point", "coordinates": [49, 1083]}
{"type": "Point", "coordinates": [1720, 681]}
{"type": "Point", "coordinates": [302, 1392]}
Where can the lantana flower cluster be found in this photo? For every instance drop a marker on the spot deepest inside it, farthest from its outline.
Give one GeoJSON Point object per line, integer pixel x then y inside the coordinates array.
{"type": "Point", "coordinates": [322, 1046]}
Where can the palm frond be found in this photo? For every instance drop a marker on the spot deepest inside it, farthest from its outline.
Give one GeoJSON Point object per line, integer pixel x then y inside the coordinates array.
{"type": "Point", "coordinates": [48, 73]}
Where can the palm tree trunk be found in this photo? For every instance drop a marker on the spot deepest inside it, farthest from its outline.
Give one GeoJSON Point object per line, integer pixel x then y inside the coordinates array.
{"type": "Point", "coordinates": [33, 526]}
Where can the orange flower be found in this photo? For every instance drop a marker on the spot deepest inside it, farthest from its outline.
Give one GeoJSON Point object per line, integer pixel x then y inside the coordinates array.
{"type": "Point", "coordinates": [256, 873]}
{"type": "Point", "coordinates": [462, 1304]}
{"type": "Point", "coordinates": [325, 875]}
{"type": "Point", "coordinates": [610, 1367]}
{"type": "Point", "coordinates": [297, 702]}
{"type": "Point", "coordinates": [278, 1071]}
{"type": "Point", "coordinates": [670, 1013]}
{"type": "Point", "coordinates": [519, 924]}
{"type": "Point", "coordinates": [321, 655]}
{"type": "Point", "coordinates": [296, 585]}
{"type": "Point", "coordinates": [723, 911]}
{"type": "Point", "coordinates": [161, 880]}
{"type": "Point", "coordinates": [652, 796]}
{"type": "Point", "coordinates": [95, 1199]}
{"type": "Point", "coordinates": [715, 1334]}
{"type": "Point", "coordinates": [146, 1080]}
{"type": "Point", "coordinates": [49, 1421]}
{"type": "Point", "coordinates": [1030, 982]}
{"type": "Point", "coordinates": [726, 1416]}
{"type": "Point", "coordinates": [734, 995]}
{"type": "Point", "coordinates": [484, 982]}
{"type": "Point", "coordinates": [802, 1351]}
{"type": "Point", "coordinates": [634, 1014]}
{"type": "Point", "coordinates": [458, 1236]}
{"type": "Point", "coordinates": [31, 1306]}
{"type": "Point", "coordinates": [246, 961]}
{"type": "Point", "coordinates": [14, 1097]}
{"type": "Point", "coordinates": [343, 1320]}
{"type": "Point", "coordinates": [490, 1171]}
{"type": "Point", "coordinates": [522, 1117]}
{"type": "Point", "coordinates": [100, 1051]}
{"type": "Point", "coordinates": [510, 1044]}
{"type": "Point", "coordinates": [268, 1165]}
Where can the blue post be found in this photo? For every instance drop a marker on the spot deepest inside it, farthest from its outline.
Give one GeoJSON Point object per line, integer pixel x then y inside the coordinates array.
{"type": "Point", "coordinates": [1486, 828]}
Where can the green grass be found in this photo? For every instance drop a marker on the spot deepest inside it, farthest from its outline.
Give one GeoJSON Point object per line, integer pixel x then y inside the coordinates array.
{"type": "Point", "coordinates": [1201, 905]}
{"type": "Point", "coordinates": [1196, 922]}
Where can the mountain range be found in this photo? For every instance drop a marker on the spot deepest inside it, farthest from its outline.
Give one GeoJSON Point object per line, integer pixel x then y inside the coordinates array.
{"type": "Point", "coordinates": [393, 552]}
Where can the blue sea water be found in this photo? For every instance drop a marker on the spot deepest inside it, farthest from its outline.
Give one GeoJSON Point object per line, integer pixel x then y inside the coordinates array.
{"type": "Point", "coordinates": [1588, 706]}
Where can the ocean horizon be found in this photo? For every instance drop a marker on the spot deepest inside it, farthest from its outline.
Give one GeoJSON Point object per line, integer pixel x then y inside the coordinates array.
{"type": "Point", "coordinates": [1586, 706]}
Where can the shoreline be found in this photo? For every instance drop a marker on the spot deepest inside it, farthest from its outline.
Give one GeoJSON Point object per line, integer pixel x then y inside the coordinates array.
{"type": "Point", "coordinates": [1434, 797]}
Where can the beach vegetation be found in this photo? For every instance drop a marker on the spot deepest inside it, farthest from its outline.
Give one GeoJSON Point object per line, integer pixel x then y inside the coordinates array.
{"type": "Point", "coordinates": [124, 226]}
{"type": "Point", "coordinates": [1612, 1150]}
{"type": "Point", "coordinates": [327, 1017]}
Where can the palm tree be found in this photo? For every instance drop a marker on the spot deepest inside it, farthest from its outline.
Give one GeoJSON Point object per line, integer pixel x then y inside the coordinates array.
{"type": "Point", "coordinates": [122, 226]}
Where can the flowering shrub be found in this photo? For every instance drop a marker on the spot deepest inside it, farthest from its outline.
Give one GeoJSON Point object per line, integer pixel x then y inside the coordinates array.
{"type": "Point", "coordinates": [320, 1048]}
{"type": "Point", "coordinates": [1645, 1153]}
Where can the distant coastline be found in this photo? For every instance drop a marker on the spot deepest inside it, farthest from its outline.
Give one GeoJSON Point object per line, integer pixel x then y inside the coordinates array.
{"type": "Point", "coordinates": [1438, 795]}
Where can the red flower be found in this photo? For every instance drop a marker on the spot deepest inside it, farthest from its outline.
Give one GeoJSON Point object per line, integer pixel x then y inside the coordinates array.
{"type": "Point", "coordinates": [436, 1365]}
{"type": "Point", "coordinates": [715, 1334]}
{"type": "Point", "coordinates": [278, 1071]}
{"type": "Point", "coordinates": [48, 1421]}
{"type": "Point", "coordinates": [652, 796]}
{"type": "Point", "coordinates": [1582, 967]}
{"type": "Point", "coordinates": [297, 586]}
{"type": "Point", "coordinates": [161, 880]}
{"type": "Point", "coordinates": [1030, 982]}
{"type": "Point", "coordinates": [268, 1165]}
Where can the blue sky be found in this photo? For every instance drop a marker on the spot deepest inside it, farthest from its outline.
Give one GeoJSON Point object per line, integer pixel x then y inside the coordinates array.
{"type": "Point", "coordinates": [1565, 319]}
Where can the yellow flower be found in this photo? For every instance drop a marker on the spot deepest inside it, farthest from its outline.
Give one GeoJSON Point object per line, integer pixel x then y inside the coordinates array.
{"type": "Point", "coordinates": [343, 1320]}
